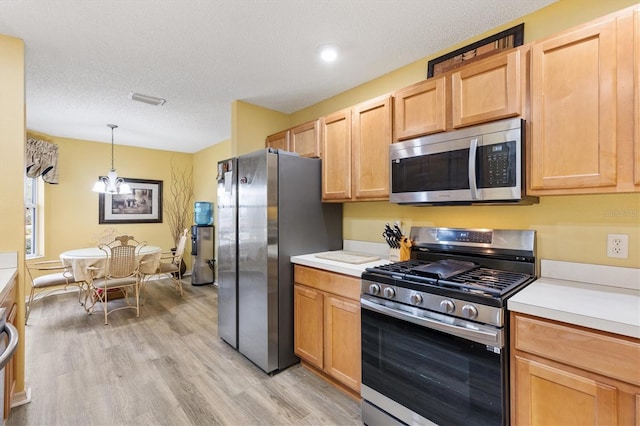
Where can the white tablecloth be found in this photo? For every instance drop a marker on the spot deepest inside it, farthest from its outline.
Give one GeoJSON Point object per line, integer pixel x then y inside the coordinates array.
{"type": "Point", "coordinates": [80, 259]}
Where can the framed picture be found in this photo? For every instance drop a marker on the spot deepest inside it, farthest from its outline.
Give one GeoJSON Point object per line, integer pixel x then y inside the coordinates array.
{"type": "Point", "coordinates": [491, 45]}
{"type": "Point", "coordinates": [143, 205]}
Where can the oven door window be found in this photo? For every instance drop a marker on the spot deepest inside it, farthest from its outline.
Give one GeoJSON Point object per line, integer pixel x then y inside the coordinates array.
{"type": "Point", "coordinates": [446, 379]}
{"type": "Point", "coordinates": [442, 171]}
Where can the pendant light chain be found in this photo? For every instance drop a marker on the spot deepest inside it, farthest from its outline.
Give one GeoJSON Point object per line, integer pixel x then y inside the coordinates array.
{"type": "Point", "coordinates": [112, 126]}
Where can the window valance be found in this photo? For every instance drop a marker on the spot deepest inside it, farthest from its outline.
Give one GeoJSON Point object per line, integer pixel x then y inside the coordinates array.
{"type": "Point", "coordinates": [42, 160]}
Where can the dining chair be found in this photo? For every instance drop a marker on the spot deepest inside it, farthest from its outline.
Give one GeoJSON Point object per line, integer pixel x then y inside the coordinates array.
{"type": "Point", "coordinates": [51, 275]}
{"type": "Point", "coordinates": [120, 272]}
{"type": "Point", "coordinates": [170, 264]}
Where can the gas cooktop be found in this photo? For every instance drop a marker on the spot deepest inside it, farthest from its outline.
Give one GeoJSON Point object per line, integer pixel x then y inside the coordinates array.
{"type": "Point", "coordinates": [486, 266]}
{"type": "Point", "coordinates": [462, 275]}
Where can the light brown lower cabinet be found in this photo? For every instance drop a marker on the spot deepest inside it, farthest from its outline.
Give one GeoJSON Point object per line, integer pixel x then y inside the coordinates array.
{"type": "Point", "coordinates": [327, 325]}
{"type": "Point", "coordinates": [10, 368]}
{"type": "Point", "coordinates": [567, 375]}
{"type": "Point", "coordinates": [8, 300]}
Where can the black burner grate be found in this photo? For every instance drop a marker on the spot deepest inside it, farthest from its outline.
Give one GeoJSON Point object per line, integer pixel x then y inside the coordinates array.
{"type": "Point", "coordinates": [480, 280]}
{"type": "Point", "coordinates": [398, 268]}
{"type": "Point", "coordinates": [491, 281]}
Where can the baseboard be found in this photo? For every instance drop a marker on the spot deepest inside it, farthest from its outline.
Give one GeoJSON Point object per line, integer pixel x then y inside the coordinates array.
{"type": "Point", "coordinates": [21, 398]}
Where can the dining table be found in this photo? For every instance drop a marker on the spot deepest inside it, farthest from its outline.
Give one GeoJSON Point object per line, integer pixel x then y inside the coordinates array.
{"type": "Point", "coordinates": [86, 260]}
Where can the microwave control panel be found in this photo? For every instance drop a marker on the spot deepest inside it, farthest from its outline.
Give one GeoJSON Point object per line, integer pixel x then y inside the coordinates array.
{"type": "Point", "coordinates": [497, 165]}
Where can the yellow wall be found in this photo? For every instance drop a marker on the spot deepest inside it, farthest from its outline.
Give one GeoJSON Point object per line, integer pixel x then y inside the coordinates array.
{"type": "Point", "coordinates": [205, 171]}
{"type": "Point", "coordinates": [251, 124]}
{"type": "Point", "coordinates": [12, 141]}
{"type": "Point", "coordinates": [570, 228]}
{"type": "Point", "coordinates": [71, 219]}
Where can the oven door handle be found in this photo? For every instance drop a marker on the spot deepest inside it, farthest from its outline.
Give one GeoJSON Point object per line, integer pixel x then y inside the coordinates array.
{"type": "Point", "coordinates": [473, 152]}
{"type": "Point", "coordinates": [488, 337]}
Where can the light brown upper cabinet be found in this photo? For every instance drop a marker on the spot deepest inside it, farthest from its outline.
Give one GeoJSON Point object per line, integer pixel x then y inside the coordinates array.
{"type": "Point", "coordinates": [305, 139]}
{"type": "Point", "coordinates": [279, 140]}
{"type": "Point", "coordinates": [355, 149]}
{"type": "Point", "coordinates": [484, 91]}
{"type": "Point", "coordinates": [370, 147]}
{"type": "Point", "coordinates": [336, 155]}
{"type": "Point", "coordinates": [582, 108]}
{"type": "Point", "coordinates": [487, 90]}
{"type": "Point", "coordinates": [420, 109]}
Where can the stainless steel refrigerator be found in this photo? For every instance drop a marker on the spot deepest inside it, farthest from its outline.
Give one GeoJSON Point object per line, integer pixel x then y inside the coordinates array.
{"type": "Point", "coordinates": [202, 254]}
{"type": "Point", "coordinates": [269, 209]}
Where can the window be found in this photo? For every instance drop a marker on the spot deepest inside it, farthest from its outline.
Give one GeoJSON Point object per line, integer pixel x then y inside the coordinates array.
{"type": "Point", "coordinates": [31, 216]}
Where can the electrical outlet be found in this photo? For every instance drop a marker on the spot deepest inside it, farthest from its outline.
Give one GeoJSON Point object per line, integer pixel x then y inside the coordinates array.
{"type": "Point", "coordinates": [618, 246]}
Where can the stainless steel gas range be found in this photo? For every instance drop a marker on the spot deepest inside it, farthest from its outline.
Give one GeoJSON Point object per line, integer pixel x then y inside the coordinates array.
{"type": "Point", "coordinates": [435, 328]}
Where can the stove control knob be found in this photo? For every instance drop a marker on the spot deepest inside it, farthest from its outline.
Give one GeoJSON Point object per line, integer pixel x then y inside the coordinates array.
{"type": "Point", "coordinates": [416, 298]}
{"type": "Point", "coordinates": [469, 311]}
{"type": "Point", "coordinates": [389, 292]}
{"type": "Point", "coordinates": [447, 306]}
{"type": "Point", "coordinates": [374, 289]}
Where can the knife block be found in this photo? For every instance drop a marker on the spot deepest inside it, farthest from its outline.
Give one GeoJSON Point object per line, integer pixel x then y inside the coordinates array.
{"type": "Point", "coordinates": [394, 255]}
{"type": "Point", "coordinates": [405, 249]}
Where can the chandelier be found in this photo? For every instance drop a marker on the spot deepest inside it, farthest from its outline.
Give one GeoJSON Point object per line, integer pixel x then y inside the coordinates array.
{"type": "Point", "coordinates": [111, 184]}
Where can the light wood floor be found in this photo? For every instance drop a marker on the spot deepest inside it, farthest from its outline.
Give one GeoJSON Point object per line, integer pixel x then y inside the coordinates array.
{"type": "Point", "coordinates": [168, 367]}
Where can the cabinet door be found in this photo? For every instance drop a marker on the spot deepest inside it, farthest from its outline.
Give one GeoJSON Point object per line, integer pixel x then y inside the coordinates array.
{"type": "Point", "coordinates": [279, 140]}
{"type": "Point", "coordinates": [574, 110]}
{"type": "Point", "coordinates": [308, 327]}
{"type": "Point", "coordinates": [10, 368]}
{"type": "Point", "coordinates": [336, 156]}
{"type": "Point", "coordinates": [420, 109]}
{"type": "Point", "coordinates": [371, 140]}
{"type": "Point", "coordinates": [545, 395]}
{"type": "Point", "coordinates": [487, 90]}
{"type": "Point", "coordinates": [342, 340]}
{"type": "Point", "coordinates": [305, 139]}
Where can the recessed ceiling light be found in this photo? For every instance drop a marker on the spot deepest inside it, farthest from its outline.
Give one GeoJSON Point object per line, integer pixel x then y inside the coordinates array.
{"type": "Point", "coordinates": [151, 100]}
{"type": "Point", "coordinates": [328, 53]}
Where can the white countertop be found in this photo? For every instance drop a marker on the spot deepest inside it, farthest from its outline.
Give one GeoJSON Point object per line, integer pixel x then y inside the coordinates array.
{"type": "Point", "coordinates": [8, 268]}
{"type": "Point", "coordinates": [334, 266]}
{"type": "Point", "coordinates": [7, 275]}
{"type": "Point", "coordinates": [605, 298]}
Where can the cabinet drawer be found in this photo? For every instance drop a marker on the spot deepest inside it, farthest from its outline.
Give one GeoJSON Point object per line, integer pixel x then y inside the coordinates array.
{"type": "Point", "coordinates": [603, 353]}
{"type": "Point", "coordinates": [342, 285]}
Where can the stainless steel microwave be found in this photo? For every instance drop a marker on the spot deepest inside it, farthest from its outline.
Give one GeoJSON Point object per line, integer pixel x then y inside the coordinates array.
{"type": "Point", "coordinates": [478, 164]}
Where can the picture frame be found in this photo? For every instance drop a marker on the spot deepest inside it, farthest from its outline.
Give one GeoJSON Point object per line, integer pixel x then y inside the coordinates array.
{"type": "Point", "coordinates": [143, 205]}
{"type": "Point", "coordinates": [491, 45]}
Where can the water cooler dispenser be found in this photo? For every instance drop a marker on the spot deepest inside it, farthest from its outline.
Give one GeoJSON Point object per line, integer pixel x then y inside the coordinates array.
{"type": "Point", "coordinates": [202, 244]}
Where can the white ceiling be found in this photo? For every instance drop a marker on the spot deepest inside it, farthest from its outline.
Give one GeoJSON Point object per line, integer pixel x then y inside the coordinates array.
{"type": "Point", "coordinates": [84, 56]}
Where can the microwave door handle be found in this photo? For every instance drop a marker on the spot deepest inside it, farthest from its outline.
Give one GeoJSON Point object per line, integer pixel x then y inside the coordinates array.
{"type": "Point", "coordinates": [473, 185]}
